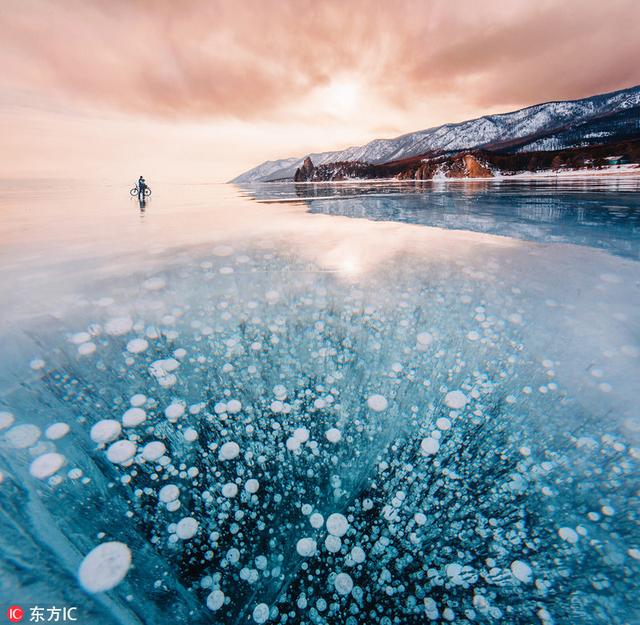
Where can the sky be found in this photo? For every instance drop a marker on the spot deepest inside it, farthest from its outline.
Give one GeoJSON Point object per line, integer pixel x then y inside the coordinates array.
{"type": "Point", "coordinates": [203, 90]}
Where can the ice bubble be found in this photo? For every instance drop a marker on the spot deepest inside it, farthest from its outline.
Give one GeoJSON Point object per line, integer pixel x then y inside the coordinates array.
{"type": "Point", "coordinates": [234, 406]}
{"type": "Point", "coordinates": [419, 518]}
{"type": "Point", "coordinates": [306, 547]}
{"type": "Point", "coordinates": [174, 411]}
{"type": "Point", "coordinates": [169, 493]}
{"type": "Point", "coordinates": [378, 403]}
{"type": "Point", "coordinates": [521, 571]}
{"type": "Point", "coordinates": [343, 583]}
{"type": "Point", "coordinates": [215, 600]}
{"type": "Point", "coordinates": [429, 446]}
{"type": "Point", "coordinates": [332, 543]}
{"type": "Point", "coordinates": [515, 318]}
{"type": "Point", "coordinates": [136, 346]}
{"type": "Point", "coordinates": [252, 486]}
{"type": "Point", "coordinates": [431, 609]}
{"type": "Point", "coordinates": [186, 528]}
{"type": "Point", "coordinates": [229, 451]}
{"type": "Point", "coordinates": [133, 417]}
{"type": "Point", "coordinates": [230, 490]}
{"type": "Point", "coordinates": [333, 435]}
{"type": "Point", "coordinates": [358, 555]}
{"type": "Point", "coordinates": [261, 613]}
{"type": "Point", "coordinates": [118, 326]}
{"type": "Point", "coordinates": [121, 452]}
{"type": "Point", "coordinates": [292, 443]}
{"type": "Point", "coordinates": [104, 567]}
{"type": "Point", "coordinates": [80, 337]}
{"type": "Point", "coordinates": [280, 392]}
{"type": "Point", "coordinates": [6, 419]}
{"type": "Point", "coordinates": [23, 436]}
{"type": "Point", "coordinates": [46, 465]}
{"type": "Point", "coordinates": [105, 431]}
{"type": "Point", "coordinates": [56, 431]}
{"type": "Point", "coordinates": [180, 353]}
{"type": "Point", "coordinates": [36, 364]}
{"type": "Point", "coordinates": [138, 400]}
{"type": "Point", "coordinates": [153, 450]}
{"type": "Point", "coordinates": [86, 349]}
{"type": "Point", "coordinates": [634, 553]}
{"type": "Point", "coordinates": [337, 524]}
{"type": "Point", "coordinates": [190, 435]}
{"type": "Point", "coordinates": [443, 423]}
{"type": "Point", "coordinates": [424, 339]}
{"type": "Point", "coordinates": [473, 336]}
{"type": "Point", "coordinates": [316, 520]}
{"type": "Point", "coordinates": [301, 434]}
{"type": "Point", "coordinates": [568, 534]}
{"type": "Point", "coordinates": [455, 400]}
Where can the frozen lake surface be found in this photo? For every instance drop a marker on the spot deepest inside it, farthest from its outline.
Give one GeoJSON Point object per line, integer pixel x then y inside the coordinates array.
{"type": "Point", "coordinates": [336, 404]}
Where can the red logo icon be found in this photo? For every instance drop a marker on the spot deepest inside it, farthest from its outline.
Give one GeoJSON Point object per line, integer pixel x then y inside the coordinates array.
{"type": "Point", "coordinates": [15, 613]}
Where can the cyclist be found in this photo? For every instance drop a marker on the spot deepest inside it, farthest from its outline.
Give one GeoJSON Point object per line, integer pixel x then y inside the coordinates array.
{"type": "Point", "coordinates": [142, 185]}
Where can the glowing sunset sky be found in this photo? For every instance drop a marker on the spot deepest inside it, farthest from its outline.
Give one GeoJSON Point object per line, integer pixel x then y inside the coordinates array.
{"type": "Point", "coordinates": [190, 90]}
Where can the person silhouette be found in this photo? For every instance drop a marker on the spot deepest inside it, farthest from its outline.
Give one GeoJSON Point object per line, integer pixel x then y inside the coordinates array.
{"type": "Point", "coordinates": [142, 185]}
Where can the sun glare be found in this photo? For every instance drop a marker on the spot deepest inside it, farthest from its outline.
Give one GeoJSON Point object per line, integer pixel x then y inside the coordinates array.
{"type": "Point", "coordinates": [340, 96]}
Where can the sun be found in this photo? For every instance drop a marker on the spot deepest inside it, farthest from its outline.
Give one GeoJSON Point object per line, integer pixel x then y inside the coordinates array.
{"type": "Point", "coordinates": [340, 97]}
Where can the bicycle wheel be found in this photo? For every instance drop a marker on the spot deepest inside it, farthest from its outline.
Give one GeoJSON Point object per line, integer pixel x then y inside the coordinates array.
{"type": "Point", "coordinates": [147, 192]}
{"type": "Point", "coordinates": [134, 191]}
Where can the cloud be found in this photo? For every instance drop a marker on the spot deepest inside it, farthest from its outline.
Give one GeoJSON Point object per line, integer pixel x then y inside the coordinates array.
{"type": "Point", "coordinates": [260, 60]}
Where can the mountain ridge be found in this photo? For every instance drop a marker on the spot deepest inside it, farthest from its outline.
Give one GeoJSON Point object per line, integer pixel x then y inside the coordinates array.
{"type": "Point", "coordinates": [540, 119]}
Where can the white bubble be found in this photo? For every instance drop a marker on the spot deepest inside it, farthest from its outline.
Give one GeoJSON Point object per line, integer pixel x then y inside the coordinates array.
{"type": "Point", "coordinates": [230, 490]}
{"type": "Point", "coordinates": [455, 400]}
{"type": "Point", "coordinates": [229, 450]}
{"type": "Point", "coordinates": [174, 411]}
{"type": "Point", "coordinates": [86, 349]}
{"type": "Point", "coordinates": [23, 436]}
{"type": "Point", "coordinates": [169, 493]}
{"type": "Point", "coordinates": [424, 339]}
{"type": "Point", "coordinates": [443, 423]}
{"type": "Point", "coordinates": [234, 406]}
{"type": "Point", "coordinates": [154, 284]}
{"type": "Point", "coordinates": [118, 326]}
{"type": "Point", "coordinates": [121, 452]}
{"type": "Point", "coordinates": [429, 446]}
{"type": "Point", "coordinates": [568, 534]}
{"type": "Point", "coordinates": [6, 419]}
{"type": "Point", "coordinates": [136, 346]}
{"type": "Point", "coordinates": [343, 583]}
{"type": "Point", "coordinates": [378, 403]}
{"type": "Point", "coordinates": [337, 524]}
{"type": "Point", "coordinates": [153, 450]}
{"type": "Point", "coordinates": [215, 600]}
{"type": "Point", "coordinates": [358, 555]}
{"type": "Point", "coordinates": [187, 528]}
{"type": "Point", "coordinates": [261, 613]}
{"type": "Point", "coordinates": [46, 465]}
{"type": "Point", "coordinates": [316, 520]}
{"type": "Point", "coordinates": [190, 435]}
{"type": "Point", "coordinates": [306, 547]}
{"type": "Point", "coordinates": [133, 417]}
{"type": "Point", "coordinates": [332, 543]}
{"type": "Point", "coordinates": [80, 337]}
{"type": "Point", "coordinates": [104, 567]}
{"type": "Point", "coordinates": [521, 571]}
{"type": "Point", "coordinates": [105, 431]}
{"type": "Point", "coordinates": [333, 435]}
{"type": "Point", "coordinates": [252, 486]}
{"type": "Point", "coordinates": [56, 431]}
{"type": "Point", "coordinates": [138, 400]}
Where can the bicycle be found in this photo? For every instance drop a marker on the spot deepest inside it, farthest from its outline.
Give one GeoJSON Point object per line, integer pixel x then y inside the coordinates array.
{"type": "Point", "coordinates": [134, 192]}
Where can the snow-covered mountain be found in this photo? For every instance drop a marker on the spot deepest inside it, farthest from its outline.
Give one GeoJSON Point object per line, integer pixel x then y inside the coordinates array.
{"type": "Point", "coordinates": [541, 120]}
